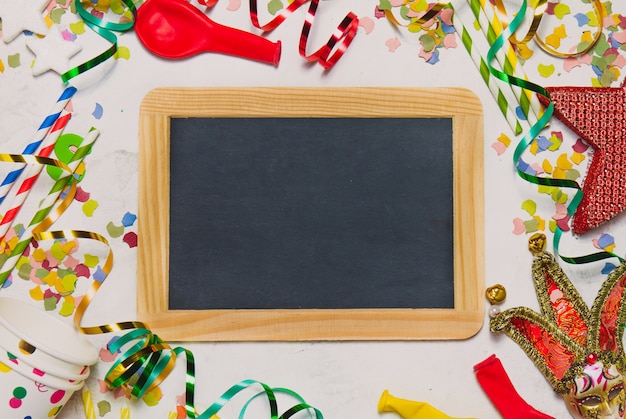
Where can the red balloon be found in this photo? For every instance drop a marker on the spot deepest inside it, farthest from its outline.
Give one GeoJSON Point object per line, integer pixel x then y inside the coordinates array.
{"type": "Point", "coordinates": [177, 29]}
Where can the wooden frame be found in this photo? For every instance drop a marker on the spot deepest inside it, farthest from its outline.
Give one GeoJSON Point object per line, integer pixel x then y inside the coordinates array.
{"type": "Point", "coordinates": [461, 322]}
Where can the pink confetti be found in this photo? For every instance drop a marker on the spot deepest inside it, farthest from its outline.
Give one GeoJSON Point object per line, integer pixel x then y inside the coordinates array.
{"type": "Point", "coordinates": [449, 41]}
{"type": "Point", "coordinates": [499, 147]}
{"type": "Point", "coordinates": [425, 55]}
{"type": "Point", "coordinates": [580, 146]}
{"type": "Point", "coordinates": [82, 271]}
{"type": "Point", "coordinates": [620, 61]}
{"type": "Point", "coordinates": [620, 36]}
{"type": "Point", "coordinates": [130, 239]}
{"type": "Point", "coordinates": [81, 195]}
{"type": "Point", "coordinates": [106, 356]}
{"type": "Point", "coordinates": [570, 63]}
{"type": "Point", "coordinates": [518, 226]}
{"type": "Point", "coordinates": [595, 243]}
{"type": "Point", "coordinates": [103, 386]}
{"type": "Point", "coordinates": [67, 35]}
{"type": "Point", "coordinates": [563, 224]}
{"type": "Point", "coordinates": [396, 3]}
{"type": "Point", "coordinates": [537, 168]}
{"type": "Point", "coordinates": [70, 262]}
{"type": "Point", "coordinates": [378, 14]}
{"type": "Point", "coordinates": [561, 211]}
{"type": "Point", "coordinates": [446, 16]}
{"type": "Point", "coordinates": [393, 44]}
{"type": "Point", "coordinates": [233, 5]}
{"type": "Point", "coordinates": [367, 24]}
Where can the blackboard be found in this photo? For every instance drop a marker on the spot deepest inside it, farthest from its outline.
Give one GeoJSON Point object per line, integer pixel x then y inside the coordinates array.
{"type": "Point", "coordinates": [278, 217]}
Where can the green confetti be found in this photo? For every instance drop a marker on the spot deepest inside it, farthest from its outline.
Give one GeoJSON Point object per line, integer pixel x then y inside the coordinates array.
{"type": "Point", "coordinates": [384, 5]}
{"type": "Point", "coordinates": [24, 271]}
{"type": "Point", "coordinates": [531, 226]}
{"type": "Point", "coordinates": [41, 273]}
{"type": "Point", "coordinates": [428, 42]}
{"type": "Point", "coordinates": [56, 14]}
{"type": "Point", "coordinates": [14, 60]}
{"type": "Point", "coordinates": [104, 407]}
{"type": "Point", "coordinates": [50, 303]}
{"type": "Point", "coordinates": [114, 231]}
{"type": "Point", "coordinates": [572, 174]}
{"type": "Point", "coordinates": [274, 6]}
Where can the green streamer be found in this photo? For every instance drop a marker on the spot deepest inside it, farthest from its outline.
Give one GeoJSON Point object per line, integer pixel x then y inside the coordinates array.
{"type": "Point", "coordinates": [532, 134]}
{"type": "Point", "coordinates": [105, 30]}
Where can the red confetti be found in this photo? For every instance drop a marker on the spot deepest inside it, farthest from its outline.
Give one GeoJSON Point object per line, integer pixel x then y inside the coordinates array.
{"type": "Point", "coordinates": [130, 239]}
{"type": "Point", "coordinates": [81, 195]}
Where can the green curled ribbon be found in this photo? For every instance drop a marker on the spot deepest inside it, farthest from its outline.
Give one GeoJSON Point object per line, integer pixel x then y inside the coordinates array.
{"type": "Point", "coordinates": [105, 30]}
{"type": "Point", "coordinates": [534, 130]}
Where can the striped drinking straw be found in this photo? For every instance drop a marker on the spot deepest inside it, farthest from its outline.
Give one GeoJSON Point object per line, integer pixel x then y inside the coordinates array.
{"type": "Point", "coordinates": [31, 175]}
{"type": "Point", "coordinates": [37, 139]}
{"type": "Point", "coordinates": [40, 220]}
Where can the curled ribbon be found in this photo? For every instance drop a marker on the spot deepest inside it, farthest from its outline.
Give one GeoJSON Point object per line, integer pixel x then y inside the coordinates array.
{"type": "Point", "coordinates": [338, 42]}
{"type": "Point", "coordinates": [105, 30]}
{"type": "Point", "coordinates": [534, 130]}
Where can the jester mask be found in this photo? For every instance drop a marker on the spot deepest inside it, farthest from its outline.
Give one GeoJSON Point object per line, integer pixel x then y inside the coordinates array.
{"type": "Point", "coordinates": [578, 349]}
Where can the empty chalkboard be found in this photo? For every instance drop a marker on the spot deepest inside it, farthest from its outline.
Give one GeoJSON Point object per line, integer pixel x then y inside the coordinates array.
{"type": "Point", "coordinates": [273, 214]}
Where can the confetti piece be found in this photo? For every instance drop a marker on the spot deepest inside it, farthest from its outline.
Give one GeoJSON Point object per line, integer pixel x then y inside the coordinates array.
{"type": "Point", "coordinates": [563, 224]}
{"type": "Point", "coordinates": [89, 207]}
{"type": "Point", "coordinates": [608, 268]}
{"type": "Point", "coordinates": [545, 70]}
{"type": "Point", "coordinates": [605, 241]}
{"type": "Point", "coordinates": [99, 275]}
{"type": "Point", "coordinates": [504, 139]}
{"type": "Point", "coordinates": [561, 211]}
{"type": "Point", "coordinates": [50, 303]}
{"type": "Point", "coordinates": [582, 19]}
{"type": "Point", "coordinates": [577, 158]}
{"type": "Point", "coordinates": [367, 24]}
{"type": "Point", "coordinates": [529, 206]}
{"type": "Point", "coordinates": [531, 226]}
{"type": "Point", "coordinates": [91, 260]}
{"type": "Point", "coordinates": [563, 162]}
{"type": "Point", "coordinates": [561, 9]}
{"type": "Point", "coordinates": [274, 6]}
{"type": "Point", "coordinates": [104, 407]}
{"type": "Point", "coordinates": [153, 397]}
{"type": "Point", "coordinates": [518, 226]}
{"type": "Point", "coordinates": [56, 14]}
{"type": "Point", "coordinates": [67, 308]}
{"type": "Point", "coordinates": [114, 231]}
{"type": "Point", "coordinates": [392, 44]}
{"type": "Point", "coordinates": [106, 356]}
{"type": "Point", "coordinates": [499, 148]}
{"type": "Point", "coordinates": [81, 195]}
{"type": "Point", "coordinates": [233, 5]}
{"type": "Point", "coordinates": [102, 386]}
{"type": "Point", "coordinates": [122, 52]}
{"type": "Point", "coordinates": [547, 166]}
{"type": "Point", "coordinates": [36, 293]}
{"type": "Point", "coordinates": [97, 112]}
{"type": "Point", "coordinates": [130, 239]}
{"type": "Point", "coordinates": [77, 28]}
{"type": "Point", "coordinates": [14, 60]}
{"type": "Point", "coordinates": [543, 143]}
{"type": "Point", "coordinates": [129, 219]}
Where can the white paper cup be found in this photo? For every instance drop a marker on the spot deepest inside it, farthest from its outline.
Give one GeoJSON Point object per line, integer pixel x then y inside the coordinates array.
{"type": "Point", "coordinates": [43, 361]}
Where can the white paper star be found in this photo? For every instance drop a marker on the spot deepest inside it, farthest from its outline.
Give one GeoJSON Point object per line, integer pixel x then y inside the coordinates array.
{"type": "Point", "coordinates": [22, 15]}
{"type": "Point", "coordinates": [52, 52]}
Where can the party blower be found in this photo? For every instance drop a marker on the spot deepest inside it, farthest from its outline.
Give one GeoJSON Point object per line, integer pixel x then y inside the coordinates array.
{"type": "Point", "coordinates": [177, 29]}
{"type": "Point", "coordinates": [409, 409]}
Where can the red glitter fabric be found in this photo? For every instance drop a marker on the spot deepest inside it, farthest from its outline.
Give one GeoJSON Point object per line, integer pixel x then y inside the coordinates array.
{"type": "Point", "coordinates": [598, 116]}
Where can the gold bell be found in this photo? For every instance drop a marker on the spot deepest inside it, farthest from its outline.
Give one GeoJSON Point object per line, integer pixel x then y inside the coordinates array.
{"type": "Point", "coordinates": [496, 294]}
{"type": "Point", "coordinates": [537, 243]}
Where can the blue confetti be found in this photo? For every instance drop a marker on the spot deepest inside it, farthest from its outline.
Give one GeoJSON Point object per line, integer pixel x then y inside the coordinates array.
{"type": "Point", "coordinates": [608, 268]}
{"type": "Point", "coordinates": [597, 70]}
{"type": "Point", "coordinates": [434, 59]}
{"type": "Point", "coordinates": [605, 241]}
{"type": "Point", "coordinates": [614, 43]}
{"type": "Point", "coordinates": [128, 219]}
{"type": "Point", "coordinates": [97, 112]}
{"type": "Point", "coordinates": [447, 28]}
{"type": "Point", "coordinates": [520, 113]}
{"type": "Point", "coordinates": [7, 282]}
{"type": "Point", "coordinates": [99, 275]}
{"type": "Point", "coordinates": [582, 19]}
{"type": "Point", "coordinates": [524, 167]}
{"type": "Point", "coordinates": [543, 143]}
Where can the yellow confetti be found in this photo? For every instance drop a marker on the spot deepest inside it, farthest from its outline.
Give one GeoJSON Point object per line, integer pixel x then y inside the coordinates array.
{"type": "Point", "coordinates": [524, 51]}
{"type": "Point", "coordinates": [91, 261]}
{"type": "Point", "coordinates": [78, 28]}
{"type": "Point", "coordinates": [545, 70]}
{"type": "Point", "coordinates": [541, 223]}
{"type": "Point", "coordinates": [529, 206]}
{"type": "Point", "coordinates": [57, 251]}
{"type": "Point", "coordinates": [58, 285]}
{"type": "Point", "coordinates": [504, 139]}
{"type": "Point", "coordinates": [39, 255]}
{"type": "Point", "coordinates": [68, 246]}
{"type": "Point", "coordinates": [89, 207]}
{"type": "Point", "coordinates": [563, 162]}
{"type": "Point", "coordinates": [559, 173]}
{"type": "Point", "coordinates": [561, 9]}
{"type": "Point", "coordinates": [36, 293]}
{"type": "Point", "coordinates": [610, 247]}
{"type": "Point", "coordinates": [50, 278]}
{"type": "Point", "coordinates": [152, 398]}
{"type": "Point", "coordinates": [547, 166]}
{"type": "Point", "coordinates": [534, 147]}
{"type": "Point", "coordinates": [1, 67]}
{"type": "Point", "coordinates": [67, 308]}
{"type": "Point", "coordinates": [69, 282]}
{"type": "Point", "coordinates": [577, 158]}
{"type": "Point", "coordinates": [122, 52]}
